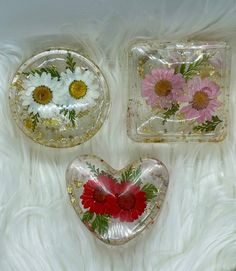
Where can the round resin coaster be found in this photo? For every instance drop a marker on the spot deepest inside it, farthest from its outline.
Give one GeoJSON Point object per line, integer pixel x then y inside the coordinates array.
{"type": "Point", "coordinates": [59, 98]}
{"type": "Point", "coordinates": [116, 205]}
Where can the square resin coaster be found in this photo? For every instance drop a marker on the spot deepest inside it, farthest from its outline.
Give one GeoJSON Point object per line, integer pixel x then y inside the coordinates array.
{"type": "Point", "coordinates": [178, 91]}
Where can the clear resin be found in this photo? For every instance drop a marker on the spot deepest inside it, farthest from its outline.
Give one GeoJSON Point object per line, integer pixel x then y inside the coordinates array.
{"type": "Point", "coordinates": [116, 205]}
{"type": "Point", "coordinates": [178, 91]}
{"type": "Point", "coordinates": [59, 98]}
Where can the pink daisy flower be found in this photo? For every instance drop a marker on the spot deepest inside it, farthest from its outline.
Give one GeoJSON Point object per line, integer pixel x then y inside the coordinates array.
{"type": "Point", "coordinates": [162, 87]}
{"type": "Point", "coordinates": [202, 98]}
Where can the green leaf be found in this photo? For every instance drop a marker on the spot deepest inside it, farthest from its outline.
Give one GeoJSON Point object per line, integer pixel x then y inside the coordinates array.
{"type": "Point", "coordinates": [71, 115]}
{"type": "Point", "coordinates": [48, 70]}
{"type": "Point", "coordinates": [126, 176]}
{"type": "Point", "coordinates": [35, 120]}
{"type": "Point", "coordinates": [150, 190]}
{"type": "Point", "coordinates": [131, 174]}
{"type": "Point", "coordinates": [70, 62]}
{"type": "Point", "coordinates": [64, 111]}
{"type": "Point", "coordinates": [170, 112]}
{"type": "Point", "coordinates": [100, 223]}
{"type": "Point", "coordinates": [177, 67]}
{"type": "Point", "coordinates": [194, 67]}
{"type": "Point", "coordinates": [96, 171]}
{"type": "Point", "coordinates": [208, 126]}
{"type": "Point", "coordinates": [182, 68]}
{"type": "Point", "coordinates": [87, 216]}
{"type": "Point", "coordinates": [136, 174]}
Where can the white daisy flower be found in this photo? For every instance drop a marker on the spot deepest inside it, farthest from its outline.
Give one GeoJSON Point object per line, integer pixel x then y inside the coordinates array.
{"type": "Point", "coordinates": [80, 90]}
{"type": "Point", "coordinates": [40, 94]}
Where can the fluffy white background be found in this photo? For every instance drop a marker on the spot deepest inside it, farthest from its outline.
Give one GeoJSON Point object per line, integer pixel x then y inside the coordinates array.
{"type": "Point", "coordinates": [39, 230]}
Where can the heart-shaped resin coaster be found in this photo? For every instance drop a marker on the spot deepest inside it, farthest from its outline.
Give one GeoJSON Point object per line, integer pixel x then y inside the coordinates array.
{"type": "Point", "coordinates": [59, 98]}
{"type": "Point", "coordinates": [116, 205]}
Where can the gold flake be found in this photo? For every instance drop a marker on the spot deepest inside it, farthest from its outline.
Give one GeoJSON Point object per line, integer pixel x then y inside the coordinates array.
{"type": "Point", "coordinates": [204, 73]}
{"type": "Point", "coordinates": [28, 123]}
{"type": "Point", "coordinates": [50, 122]}
{"type": "Point", "coordinates": [70, 189]}
{"type": "Point", "coordinates": [69, 126]}
{"type": "Point", "coordinates": [72, 199]}
{"type": "Point", "coordinates": [78, 183]}
{"type": "Point", "coordinates": [18, 85]}
{"type": "Point", "coordinates": [140, 69]}
{"type": "Point", "coordinates": [82, 113]}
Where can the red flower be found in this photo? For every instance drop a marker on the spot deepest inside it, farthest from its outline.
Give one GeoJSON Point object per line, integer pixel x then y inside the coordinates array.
{"type": "Point", "coordinates": [99, 196]}
{"type": "Point", "coordinates": [121, 200]}
{"type": "Point", "coordinates": [131, 201]}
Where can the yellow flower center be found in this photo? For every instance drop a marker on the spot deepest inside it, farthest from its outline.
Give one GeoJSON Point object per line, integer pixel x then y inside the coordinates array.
{"type": "Point", "coordinates": [200, 100]}
{"type": "Point", "coordinates": [163, 88]}
{"type": "Point", "coordinates": [78, 89]}
{"type": "Point", "coordinates": [42, 95]}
